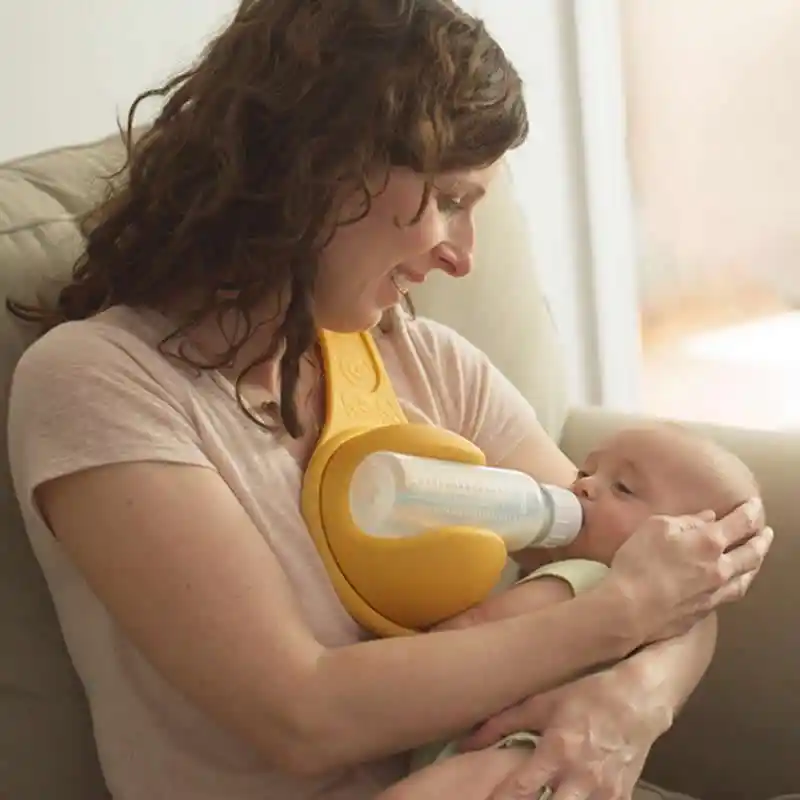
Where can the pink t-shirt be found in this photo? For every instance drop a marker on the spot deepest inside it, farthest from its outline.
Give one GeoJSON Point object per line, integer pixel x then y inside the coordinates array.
{"type": "Point", "coordinates": [99, 392]}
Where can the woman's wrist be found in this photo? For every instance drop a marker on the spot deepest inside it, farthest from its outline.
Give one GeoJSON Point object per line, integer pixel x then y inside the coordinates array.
{"type": "Point", "coordinates": [617, 614]}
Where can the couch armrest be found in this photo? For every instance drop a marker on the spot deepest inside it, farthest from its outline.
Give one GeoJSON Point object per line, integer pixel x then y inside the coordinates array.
{"type": "Point", "coordinates": [739, 736]}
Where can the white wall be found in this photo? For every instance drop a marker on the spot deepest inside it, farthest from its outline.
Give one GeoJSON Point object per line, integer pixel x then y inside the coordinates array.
{"type": "Point", "coordinates": [70, 67]}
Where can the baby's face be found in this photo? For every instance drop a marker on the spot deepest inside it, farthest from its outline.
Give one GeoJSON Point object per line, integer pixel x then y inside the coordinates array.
{"type": "Point", "coordinates": [634, 475]}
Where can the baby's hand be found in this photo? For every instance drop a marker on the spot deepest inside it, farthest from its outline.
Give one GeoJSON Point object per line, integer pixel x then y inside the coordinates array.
{"type": "Point", "coordinates": [522, 598]}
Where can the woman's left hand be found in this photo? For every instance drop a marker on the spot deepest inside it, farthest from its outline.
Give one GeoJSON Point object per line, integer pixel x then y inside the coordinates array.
{"type": "Point", "coordinates": [596, 734]}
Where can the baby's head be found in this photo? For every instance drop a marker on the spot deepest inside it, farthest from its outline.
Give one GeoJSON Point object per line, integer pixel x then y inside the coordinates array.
{"type": "Point", "coordinates": [659, 469]}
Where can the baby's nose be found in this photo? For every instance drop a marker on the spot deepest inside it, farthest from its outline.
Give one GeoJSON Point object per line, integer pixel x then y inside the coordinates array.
{"type": "Point", "coordinates": [585, 487]}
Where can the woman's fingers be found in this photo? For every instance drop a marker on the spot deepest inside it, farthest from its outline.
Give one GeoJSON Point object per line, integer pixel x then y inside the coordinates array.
{"type": "Point", "coordinates": [491, 731]}
{"type": "Point", "coordinates": [528, 782]}
{"type": "Point", "coordinates": [570, 790]}
{"type": "Point", "coordinates": [748, 557]}
{"type": "Point", "coordinates": [733, 591]}
{"type": "Point", "coordinates": [740, 524]}
{"type": "Point", "coordinates": [531, 714]}
{"type": "Point", "coordinates": [742, 565]}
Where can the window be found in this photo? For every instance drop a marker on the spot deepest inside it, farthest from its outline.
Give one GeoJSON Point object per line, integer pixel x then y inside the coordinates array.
{"type": "Point", "coordinates": [662, 181]}
{"type": "Point", "coordinates": [713, 133]}
{"type": "Point", "coordinates": [573, 178]}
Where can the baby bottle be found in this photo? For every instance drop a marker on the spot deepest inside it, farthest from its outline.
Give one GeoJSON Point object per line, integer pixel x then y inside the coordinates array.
{"type": "Point", "coordinates": [397, 495]}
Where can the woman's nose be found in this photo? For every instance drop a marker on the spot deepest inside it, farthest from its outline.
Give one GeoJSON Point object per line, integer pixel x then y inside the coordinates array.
{"type": "Point", "coordinates": [454, 254]}
{"type": "Point", "coordinates": [453, 260]}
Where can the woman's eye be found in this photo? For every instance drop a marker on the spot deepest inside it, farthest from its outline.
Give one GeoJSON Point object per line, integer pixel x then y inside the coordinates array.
{"type": "Point", "coordinates": [450, 205]}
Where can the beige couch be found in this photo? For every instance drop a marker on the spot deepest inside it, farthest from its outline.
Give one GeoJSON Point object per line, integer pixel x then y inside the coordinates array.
{"type": "Point", "coordinates": [739, 739]}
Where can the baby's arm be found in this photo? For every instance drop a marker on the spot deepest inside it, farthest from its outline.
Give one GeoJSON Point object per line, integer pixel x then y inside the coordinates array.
{"type": "Point", "coordinates": [553, 583]}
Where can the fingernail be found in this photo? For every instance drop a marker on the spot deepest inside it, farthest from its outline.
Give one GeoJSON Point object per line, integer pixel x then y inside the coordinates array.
{"type": "Point", "coordinates": [753, 509]}
{"type": "Point", "coordinates": [708, 515]}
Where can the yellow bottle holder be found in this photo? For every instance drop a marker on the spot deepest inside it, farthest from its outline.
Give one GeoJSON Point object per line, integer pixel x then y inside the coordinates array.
{"type": "Point", "coordinates": [391, 586]}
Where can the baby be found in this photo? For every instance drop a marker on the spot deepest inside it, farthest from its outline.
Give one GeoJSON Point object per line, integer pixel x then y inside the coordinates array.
{"type": "Point", "coordinates": [635, 474]}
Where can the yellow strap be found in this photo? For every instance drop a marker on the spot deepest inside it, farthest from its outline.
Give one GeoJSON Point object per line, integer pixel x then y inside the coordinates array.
{"type": "Point", "coordinates": [358, 391]}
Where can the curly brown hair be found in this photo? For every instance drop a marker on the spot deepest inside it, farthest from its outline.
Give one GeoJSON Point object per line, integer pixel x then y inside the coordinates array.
{"type": "Point", "coordinates": [234, 185]}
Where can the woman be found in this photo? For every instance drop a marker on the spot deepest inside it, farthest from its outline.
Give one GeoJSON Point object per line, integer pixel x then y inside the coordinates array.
{"type": "Point", "coordinates": [317, 160]}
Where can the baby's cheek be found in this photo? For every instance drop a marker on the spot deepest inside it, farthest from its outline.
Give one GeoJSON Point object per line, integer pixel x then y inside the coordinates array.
{"type": "Point", "coordinates": [604, 547]}
{"type": "Point", "coordinates": [609, 530]}
{"type": "Point", "coordinates": [597, 541]}
{"type": "Point", "coordinates": [629, 520]}
{"type": "Point", "coordinates": [617, 539]}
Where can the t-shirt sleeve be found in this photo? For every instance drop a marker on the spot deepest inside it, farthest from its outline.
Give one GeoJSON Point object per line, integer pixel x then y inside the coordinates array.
{"type": "Point", "coordinates": [79, 400]}
{"type": "Point", "coordinates": [478, 401]}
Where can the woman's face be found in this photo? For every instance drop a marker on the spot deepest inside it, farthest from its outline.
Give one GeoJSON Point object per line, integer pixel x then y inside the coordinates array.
{"type": "Point", "coordinates": [365, 262]}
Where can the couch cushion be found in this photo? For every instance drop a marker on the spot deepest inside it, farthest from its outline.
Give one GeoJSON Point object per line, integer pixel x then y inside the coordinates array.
{"type": "Point", "coordinates": [46, 744]}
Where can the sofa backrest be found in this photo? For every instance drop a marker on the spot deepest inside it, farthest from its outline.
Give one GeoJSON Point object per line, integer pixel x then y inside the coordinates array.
{"type": "Point", "coordinates": [46, 744]}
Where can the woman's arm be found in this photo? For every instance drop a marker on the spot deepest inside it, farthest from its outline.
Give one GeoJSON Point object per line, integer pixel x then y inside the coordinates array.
{"type": "Point", "coordinates": [520, 599]}
{"type": "Point", "coordinates": [178, 563]}
{"type": "Point", "coordinates": [671, 670]}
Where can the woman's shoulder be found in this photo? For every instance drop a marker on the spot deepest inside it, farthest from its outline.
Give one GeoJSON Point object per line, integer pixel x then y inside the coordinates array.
{"type": "Point", "coordinates": [107, 371]}
{"type": "Point", "coordinates": [116, 330]}
{"type": "Point", "coordinates": [97, 392]}
{"type": "Point", "coordinates": [115, 342]}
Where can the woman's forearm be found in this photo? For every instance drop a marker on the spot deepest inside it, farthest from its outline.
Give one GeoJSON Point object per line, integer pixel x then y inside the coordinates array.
{"type": "Point", "coordinates": [381, 697]}
{"type": "Point", "coordinates": [671, 670]}
{"type": "Point", "coordinates": [523, 598]}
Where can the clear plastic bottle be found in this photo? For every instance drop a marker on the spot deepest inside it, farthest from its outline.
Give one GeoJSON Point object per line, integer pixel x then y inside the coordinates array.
{"type": "Point", "coordinates": [396, 495]}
